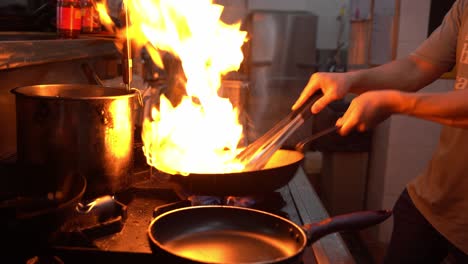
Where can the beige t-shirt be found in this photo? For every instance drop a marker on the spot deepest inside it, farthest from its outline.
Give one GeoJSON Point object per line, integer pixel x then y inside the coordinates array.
{"type": "Point", "coordinates": [441, 191]}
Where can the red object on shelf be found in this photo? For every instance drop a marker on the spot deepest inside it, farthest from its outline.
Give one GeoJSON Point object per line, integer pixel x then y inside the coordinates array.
{"type": "Point", "coordinates": [68, 18]}
{"type": "Point", "coordinates": [90, 21]}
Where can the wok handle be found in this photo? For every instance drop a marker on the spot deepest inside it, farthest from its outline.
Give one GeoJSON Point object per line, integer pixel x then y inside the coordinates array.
{"type": "Point", "coordinates": [345, 222]}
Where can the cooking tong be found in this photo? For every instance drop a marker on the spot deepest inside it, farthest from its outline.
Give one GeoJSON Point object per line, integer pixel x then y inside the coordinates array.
{"type": "Point", "coordinates": [257, 154]}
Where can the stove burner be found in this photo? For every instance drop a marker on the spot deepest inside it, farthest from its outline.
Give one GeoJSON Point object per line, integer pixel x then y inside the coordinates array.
{"type": "Point", "coordinates": [241, 201]}
{"type": "Point", "coordinates": [272, 202]}
{"type": "Point", "coordinates": [100, 217]}
{"type": "Point", "coordinates": [205, 200]}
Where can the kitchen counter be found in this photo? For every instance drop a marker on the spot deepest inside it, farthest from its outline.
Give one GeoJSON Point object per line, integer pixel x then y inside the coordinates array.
{"type": "Point", "coordinates": [329, 249]}
{"type": "Point", "coordinates": [19, 49]}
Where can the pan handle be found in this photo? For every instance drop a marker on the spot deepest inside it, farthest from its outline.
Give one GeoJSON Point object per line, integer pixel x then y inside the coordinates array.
{"type": "Point", "coordinates": [300, 145]}
{"type": "Point", "coordinates": [345, 222]}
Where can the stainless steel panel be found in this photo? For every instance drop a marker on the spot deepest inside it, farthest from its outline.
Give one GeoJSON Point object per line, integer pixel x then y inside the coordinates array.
{"type": "Point", "coordinates": [281, 58]}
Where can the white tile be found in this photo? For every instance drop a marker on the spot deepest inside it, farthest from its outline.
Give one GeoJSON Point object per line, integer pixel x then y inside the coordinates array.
{"type": "Point", "coordinates": [413, 26]}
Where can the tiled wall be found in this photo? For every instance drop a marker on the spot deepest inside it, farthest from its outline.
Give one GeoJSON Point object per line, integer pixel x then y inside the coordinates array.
{"type": "Point", "coordinates": [402, 145]}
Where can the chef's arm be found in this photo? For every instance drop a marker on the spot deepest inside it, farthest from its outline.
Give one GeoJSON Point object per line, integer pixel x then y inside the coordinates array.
{"type": "Point", "coordinates": [407, 74]}
{"type": "Point", "coordinates": [447, 108]}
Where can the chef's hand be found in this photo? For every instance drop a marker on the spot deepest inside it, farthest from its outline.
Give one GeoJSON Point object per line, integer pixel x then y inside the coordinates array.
{"type": "Point", "coordinates": [334, 86]}
{"type": "Point", "coordinates": [369, 109]}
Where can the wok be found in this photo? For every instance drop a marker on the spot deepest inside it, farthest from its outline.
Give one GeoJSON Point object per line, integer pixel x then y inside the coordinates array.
{"type": "Point", "coordinates": [228, 234]}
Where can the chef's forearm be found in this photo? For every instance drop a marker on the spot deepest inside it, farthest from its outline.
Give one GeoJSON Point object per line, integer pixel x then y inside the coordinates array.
{"type": "Point", "coordinates": [407, 74]}
{"type": "Point", "coordinates": [449, 108]}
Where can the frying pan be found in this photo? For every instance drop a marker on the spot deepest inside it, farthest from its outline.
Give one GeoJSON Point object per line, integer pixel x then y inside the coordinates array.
{"type": "Point", "coordinates": [279, 170]}
{"type": "Point", "coordinates": [229, 234]}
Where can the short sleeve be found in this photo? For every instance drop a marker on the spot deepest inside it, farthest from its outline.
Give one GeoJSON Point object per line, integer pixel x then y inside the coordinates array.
{"type": "Point", "coordinates": [441, 46]}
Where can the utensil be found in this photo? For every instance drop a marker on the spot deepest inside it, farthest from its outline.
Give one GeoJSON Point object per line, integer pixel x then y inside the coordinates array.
{"type": "Point", "coordinates": [92, 76]}
{"type": "Point", "coordinates": [256, 155]}
{"type": "Point", "coordinates": [228, 234]}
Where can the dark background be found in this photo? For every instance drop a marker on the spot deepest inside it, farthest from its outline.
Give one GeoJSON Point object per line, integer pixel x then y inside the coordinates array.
{"type": "Point", "coordinates": [438, 10]}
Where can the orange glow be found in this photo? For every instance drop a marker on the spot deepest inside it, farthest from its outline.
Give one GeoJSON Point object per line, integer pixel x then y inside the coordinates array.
{"type": "Point", "coordinates": [117, 138]}
{"type": "Point", "coordinates": [201, 134]}
{"type": "Point", "coordinates": [104, 17]}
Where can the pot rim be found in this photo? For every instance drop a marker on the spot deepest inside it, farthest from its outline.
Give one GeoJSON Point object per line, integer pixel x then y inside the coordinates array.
{"type": "Point", "coordinates": [121, 92]}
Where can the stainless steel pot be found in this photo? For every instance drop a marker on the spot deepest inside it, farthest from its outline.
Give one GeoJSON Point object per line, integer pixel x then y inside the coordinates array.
{"type": "Point", "coordinates": [78, 129]}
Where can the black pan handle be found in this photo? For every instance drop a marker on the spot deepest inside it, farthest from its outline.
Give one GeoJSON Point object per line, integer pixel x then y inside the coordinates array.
{"type": "Point", "coordinates": [170, 206]}
{"type": "Point", "coordinates": [345, 222]}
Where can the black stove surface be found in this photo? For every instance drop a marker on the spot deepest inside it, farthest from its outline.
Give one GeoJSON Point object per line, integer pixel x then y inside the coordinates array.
{"type": "Point", "coordinates": [114, 230]}
{"type": "Point", "coordinates": [120, 234]}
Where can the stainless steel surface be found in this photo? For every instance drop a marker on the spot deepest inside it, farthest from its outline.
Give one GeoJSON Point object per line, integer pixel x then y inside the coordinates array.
{"type": "Point", "coordinates": [22, 49]}
{"type": "Point", "coordinates": [329, 249]}
{"type": "Point", "coordinates": [78, 129]}
{"type": "Point", "coordinates": [280, 59]}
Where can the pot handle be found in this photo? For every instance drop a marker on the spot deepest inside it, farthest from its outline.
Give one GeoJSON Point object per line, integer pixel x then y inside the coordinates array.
{"type": "Point", "coordinates": [345, 222]}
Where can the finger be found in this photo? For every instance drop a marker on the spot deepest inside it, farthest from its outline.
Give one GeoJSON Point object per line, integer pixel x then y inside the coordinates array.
{"type": "Point", "coordinates": [339, 123]}
{"type": "Point", "coordinates": [311, 87]}
{"type": "Point", "coordinates": [321, 103]}
{"type": "Point", "coordinates": [349, 122]}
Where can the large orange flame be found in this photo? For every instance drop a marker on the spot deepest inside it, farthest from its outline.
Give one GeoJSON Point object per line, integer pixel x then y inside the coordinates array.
{"type": "Point", "coordinates": [202, 132]}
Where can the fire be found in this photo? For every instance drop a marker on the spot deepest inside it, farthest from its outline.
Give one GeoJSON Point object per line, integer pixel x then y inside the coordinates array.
{"type": "Point", "coordinates": [201, 133]}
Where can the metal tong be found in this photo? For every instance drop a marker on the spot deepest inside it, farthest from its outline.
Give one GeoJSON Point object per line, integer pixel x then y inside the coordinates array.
{"type": "Point", "coordinates": [256, 155]}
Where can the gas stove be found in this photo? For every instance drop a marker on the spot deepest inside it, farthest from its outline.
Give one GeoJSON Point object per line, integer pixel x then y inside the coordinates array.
{"type": "Point", "coordinates": [113, 228]}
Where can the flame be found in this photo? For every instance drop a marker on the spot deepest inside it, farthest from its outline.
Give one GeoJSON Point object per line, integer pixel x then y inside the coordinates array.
{"type": "Point", "coordinates": [202, 132]}
{"type": "Point", "coordinates": [106, 20]}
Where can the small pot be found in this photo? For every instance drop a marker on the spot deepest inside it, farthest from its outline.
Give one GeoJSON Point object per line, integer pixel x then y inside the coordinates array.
{"type": "Point", "coordinates": [78, 129]}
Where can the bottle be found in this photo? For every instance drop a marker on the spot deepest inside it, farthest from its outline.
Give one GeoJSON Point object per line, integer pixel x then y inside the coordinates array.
{"type": "Point", "coordinates": [87, 11]}
{"type": "Point", "coordinates": [68, 18]}
{"type": "Point", "coordinates": [90, 20]}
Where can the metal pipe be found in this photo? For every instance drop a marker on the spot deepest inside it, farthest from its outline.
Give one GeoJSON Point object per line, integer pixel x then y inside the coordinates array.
{"type": "Point", "coordinates": [127, 53]}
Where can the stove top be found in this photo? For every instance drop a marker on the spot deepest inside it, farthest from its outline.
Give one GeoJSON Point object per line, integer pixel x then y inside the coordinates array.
{"type": "Point", "coordinates": [113, 229]}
